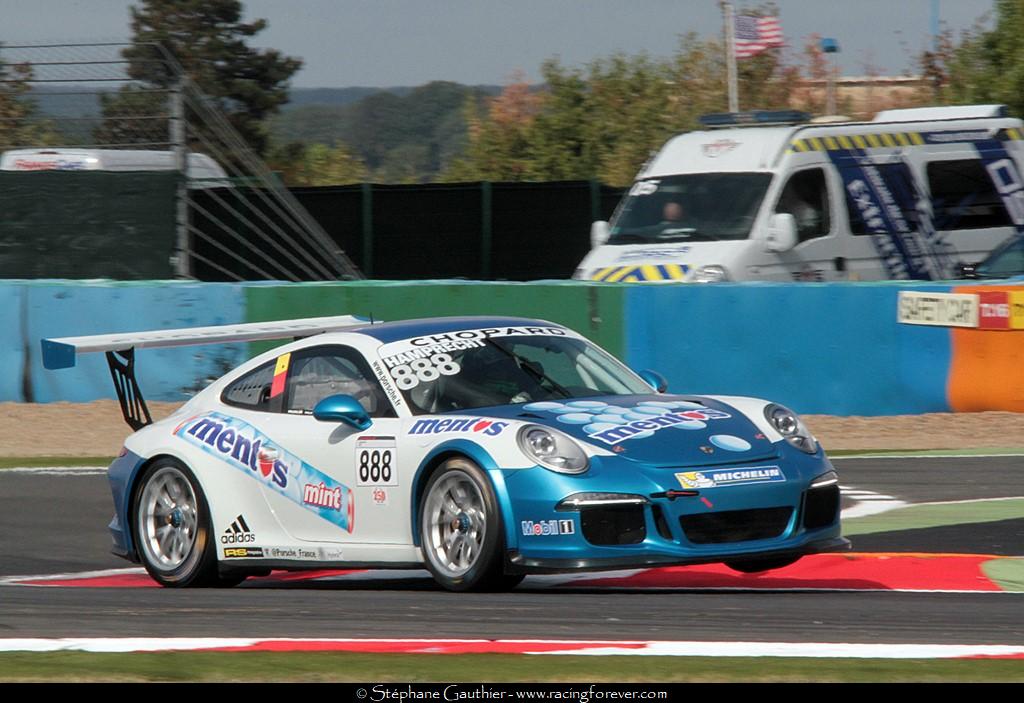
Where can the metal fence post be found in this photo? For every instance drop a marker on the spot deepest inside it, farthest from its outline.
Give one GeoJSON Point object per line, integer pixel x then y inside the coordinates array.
{"type": "Point", "coordinates": [367, 204]}
{"type": "Point", "coordinates": [486, 232]}
{"type": "Point", "coordinates": [178, 139]}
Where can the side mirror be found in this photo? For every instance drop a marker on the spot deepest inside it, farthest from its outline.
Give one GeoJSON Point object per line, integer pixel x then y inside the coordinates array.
{"type": "Point", "coordinates": [342, 408]}
{"type": "Point", "coordinates": [599, 233]}
{"type": "Point", "coordinates": [781, 233]}
{"type": "Point", "coordinates": [654, 379]}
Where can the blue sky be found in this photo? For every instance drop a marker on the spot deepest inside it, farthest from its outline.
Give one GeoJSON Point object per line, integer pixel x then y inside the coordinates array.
{"type": "Point", "coordinates": [411, 42]}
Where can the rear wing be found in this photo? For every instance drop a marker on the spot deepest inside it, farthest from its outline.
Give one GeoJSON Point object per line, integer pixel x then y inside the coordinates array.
{"type": "Point", "coordinates": [61, 352]}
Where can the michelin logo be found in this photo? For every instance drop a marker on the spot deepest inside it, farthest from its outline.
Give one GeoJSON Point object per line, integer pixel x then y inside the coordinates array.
{"type": "Point", "coordinates": [730, 477]}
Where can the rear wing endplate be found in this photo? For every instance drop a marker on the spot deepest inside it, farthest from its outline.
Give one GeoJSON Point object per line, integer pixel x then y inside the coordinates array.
{"type": "Point", "coordinates": [61, 352]}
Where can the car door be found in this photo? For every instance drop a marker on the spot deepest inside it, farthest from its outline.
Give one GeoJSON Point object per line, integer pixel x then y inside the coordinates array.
{"type": "Point", "coordinates": [346, 484]}
{"type": "Point", "coordinates": [818, 255]}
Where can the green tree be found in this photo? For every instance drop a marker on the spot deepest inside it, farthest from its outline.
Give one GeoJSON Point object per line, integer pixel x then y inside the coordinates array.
{"type": "Point", "coordinates": [316, 164]}
{"type": "Point", "coordinates": [985, 65]}
{"type": "Point", "coordinates": [19, 125]}
{"type": "Point", "coordinates": [209, 40]}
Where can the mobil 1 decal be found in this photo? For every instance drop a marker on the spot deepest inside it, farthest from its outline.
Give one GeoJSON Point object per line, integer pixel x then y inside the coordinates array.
{"type": "Point", "coordinates": [241, 446]}
{"type": "Point", "coordinates": [375, 461]}
{"type": "Point", "coordinates": [417, 360]}
{"type": "Point", "coordinates": [885, 196]}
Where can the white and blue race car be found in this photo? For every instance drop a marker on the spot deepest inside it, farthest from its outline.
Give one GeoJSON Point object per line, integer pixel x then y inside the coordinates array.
{"type": "Point", "coordinates": [482, 448]}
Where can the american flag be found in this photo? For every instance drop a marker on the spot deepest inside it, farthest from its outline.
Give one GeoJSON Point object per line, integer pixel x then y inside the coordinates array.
{"type": "Point", "coordinates": [755, 34]}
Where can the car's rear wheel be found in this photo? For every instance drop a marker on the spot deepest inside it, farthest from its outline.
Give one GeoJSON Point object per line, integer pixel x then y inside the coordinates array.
{"type": "Point", "coordinates": [171, 525]}
{"type": "Point", "coordinates": [753, 566]}
{"type": "Point", "coordinates": [461, 530]}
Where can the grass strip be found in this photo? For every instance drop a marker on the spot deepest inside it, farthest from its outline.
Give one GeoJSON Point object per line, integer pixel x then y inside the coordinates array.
{"type": "Point", "coordinates": [373, 668]}
{"type": "Point", "coordinates": [1008, 574]}
{"type": "Point", "coordinates": [914, 517]}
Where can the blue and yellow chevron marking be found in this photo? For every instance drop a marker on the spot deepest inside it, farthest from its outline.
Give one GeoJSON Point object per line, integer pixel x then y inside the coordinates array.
{"type": "Point", "coordinates": [880, 139]}
{"type": "Point", "coordinates": [641, 273]}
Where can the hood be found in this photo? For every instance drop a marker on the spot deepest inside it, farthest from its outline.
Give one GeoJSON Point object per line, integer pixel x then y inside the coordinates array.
{"type": "Point", "coordinates": [653, 261]}
{"type": "Point", "coordinates": [655, 429]}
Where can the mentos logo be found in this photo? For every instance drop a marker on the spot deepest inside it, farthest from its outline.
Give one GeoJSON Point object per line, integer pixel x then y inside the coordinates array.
{"type": "Point", "coordinates": [613, 424]}
{"type": "Point", "coordinates": [239, 444]}
{"type": "Point", "coordinates": [243, 447]}
{"type": "Point", "coordinates": [467, 424]}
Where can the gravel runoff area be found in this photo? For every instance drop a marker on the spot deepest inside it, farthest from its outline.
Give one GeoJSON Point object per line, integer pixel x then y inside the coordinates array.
{"type": "Point", "coordinates": [96, 429]}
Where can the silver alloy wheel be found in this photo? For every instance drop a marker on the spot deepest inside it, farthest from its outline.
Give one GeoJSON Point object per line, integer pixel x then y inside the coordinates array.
{"type": "Point", "coordinates": [454, 523]}
{"type": "Point", "coordinates": [167, 519]}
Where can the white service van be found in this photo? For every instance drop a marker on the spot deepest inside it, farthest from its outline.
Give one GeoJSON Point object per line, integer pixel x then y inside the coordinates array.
{"type": "Point", "coordinates": [203, 172]}
{"type": "Point", "coordinates": [771, 196]}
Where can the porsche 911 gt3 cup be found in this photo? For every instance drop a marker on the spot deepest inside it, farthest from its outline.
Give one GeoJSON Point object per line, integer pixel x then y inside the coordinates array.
{"type": "Point", "coordinates": [483, 448]}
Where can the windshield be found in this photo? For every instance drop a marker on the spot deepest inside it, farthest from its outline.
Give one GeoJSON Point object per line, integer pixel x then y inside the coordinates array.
{"type": "Point", "coordinates": [692, 207]}
{"type": "Point", "coordinates": [1006, 261]}
{"type": "Point", "coordinates": [476, 370]}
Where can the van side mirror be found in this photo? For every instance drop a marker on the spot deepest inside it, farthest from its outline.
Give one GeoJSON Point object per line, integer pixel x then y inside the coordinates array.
{"type": "Point", "coordinates": [967, 271]}
{"type": "Point", "coordinates": [781, 233]}
{"type": "Point", "coordinates": [599, 233]}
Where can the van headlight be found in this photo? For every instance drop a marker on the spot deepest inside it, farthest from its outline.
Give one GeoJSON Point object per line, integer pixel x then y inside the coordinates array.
{"type": "Point", "coordinates": [552, 449]}
{"type": "Point", "coordinates": [711, 274]}
{"type": "Point", "coordinates": [791, 427]}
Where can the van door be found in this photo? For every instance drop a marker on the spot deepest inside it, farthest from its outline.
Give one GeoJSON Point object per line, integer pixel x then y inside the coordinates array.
{"type": "Point", "coordinates": [818, 256]}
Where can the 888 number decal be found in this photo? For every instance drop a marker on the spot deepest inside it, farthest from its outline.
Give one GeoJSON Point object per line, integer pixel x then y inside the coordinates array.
{"type": "Point", "coordinates": [424, 370]}
{"type": "Point", "coordinates": [375, 463]}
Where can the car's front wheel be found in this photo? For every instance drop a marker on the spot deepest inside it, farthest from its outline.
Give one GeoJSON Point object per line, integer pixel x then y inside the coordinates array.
{"type": "Point", "coordinates": [461, 530]}
{"type": "Point", "coordinates": [171, 524]}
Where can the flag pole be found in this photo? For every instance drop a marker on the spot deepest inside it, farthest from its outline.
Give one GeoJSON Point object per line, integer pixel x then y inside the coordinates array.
{"type": "Point", "coordinates": [730, 56]}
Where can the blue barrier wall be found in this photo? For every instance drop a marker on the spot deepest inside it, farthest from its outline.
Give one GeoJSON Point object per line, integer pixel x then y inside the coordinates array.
{"type": "Point", "coordinates": [66, 309]}
{"type": "Point", "coordinates": [832, 348]}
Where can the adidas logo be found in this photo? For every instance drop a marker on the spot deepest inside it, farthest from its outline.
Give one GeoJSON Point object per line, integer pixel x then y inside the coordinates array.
{"type": "Point", "coordinates": [238, 532]}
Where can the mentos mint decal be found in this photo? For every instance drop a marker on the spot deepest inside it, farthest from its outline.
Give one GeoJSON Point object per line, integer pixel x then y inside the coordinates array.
{"type": "Point", "coordinates": [239, 444]}
{"type": "Point", "coordinates": [613, 424]}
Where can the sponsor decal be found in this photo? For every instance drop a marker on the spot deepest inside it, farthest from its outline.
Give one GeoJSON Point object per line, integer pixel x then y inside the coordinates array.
{"type": "Point", "coordinates": [806, 273]}
{"type": "Point", "coordinates": [964, 136]}
{"type": "Point", "coordinates": [706, 449]}
{"type": "Point", "coordinates": [1017, 310]}
{"type": "Point", "coordinates": [423, 359]}
{"type": "Point", "coordinates": [55, 165]}
{"type": "Point", "coordinates": [376, 463]}
{"type": "Point", "coordinates": [292, 553]}
{"type": "Point", "coordinates": [941, 309]}
{"type": "Point", "coordinates": [238, 532]}
{"type": "Point", "coordinates": [385, 382]}
{"type": "Point", "coordinates": [718, 147]}
{"type": "Point", "coordinates": [718, 478]}
{"type": "Point", "coordinates": [546, 528]}
{"type": "Point", "coordinates": [241, 446]}
{"type": "Point", "coordinates": [243, 552]}
{"type": "Point", "coordinates": [380, 496]}
{"type": "Point", "coordinates": [280, 374]}
{"type": "Point", "coordinates": [994, 310]}
{"type": "Point", "coordinates": [653, 254]}
{"type": "Point", "coordinates": [473, 425]}
{"type": "Point", "coordinates": [330, 554]}
{"type": "Point", "coordinates": [613, 424]}
{"type": "Point", "coordinates": [320, 495]}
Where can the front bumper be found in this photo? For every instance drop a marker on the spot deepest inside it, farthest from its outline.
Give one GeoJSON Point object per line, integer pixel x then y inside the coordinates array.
{"type": "Point", "coordinates": [759, 520]}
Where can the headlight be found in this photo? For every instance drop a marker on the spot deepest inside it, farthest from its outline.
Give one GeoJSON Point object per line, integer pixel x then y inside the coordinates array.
{"type": "Point", "coordinates": [552, 450]}
{"type": "Point", "coordinates": [711, 274]}
{"type": "Point", "coordinates": [791, 427]}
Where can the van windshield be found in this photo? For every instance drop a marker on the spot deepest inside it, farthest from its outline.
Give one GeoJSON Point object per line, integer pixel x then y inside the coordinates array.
{"type": "Point", "coordinates": [696, 206]}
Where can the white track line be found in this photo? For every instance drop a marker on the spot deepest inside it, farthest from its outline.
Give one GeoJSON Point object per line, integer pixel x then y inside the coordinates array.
{"type": "Point", "coordinates": [923, 456]}
{"type": "Point", "coordinates": [56, 470]}
{"type": "Point", "coordinates": [573, 647]}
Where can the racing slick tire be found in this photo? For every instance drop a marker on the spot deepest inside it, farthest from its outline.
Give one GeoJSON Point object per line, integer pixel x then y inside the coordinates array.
{"type": "Point", "coordinates": [753, 566]}
{"type": "Point", "coordinates": [461, 530]}
{"type": "Point", "coordinates": [171, 525]}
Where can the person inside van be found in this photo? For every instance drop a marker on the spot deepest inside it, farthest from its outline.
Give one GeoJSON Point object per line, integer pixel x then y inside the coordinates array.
{"type": "Point", "coordinates": [672, 213]}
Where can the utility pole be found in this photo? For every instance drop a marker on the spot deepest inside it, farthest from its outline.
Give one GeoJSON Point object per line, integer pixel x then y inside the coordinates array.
{"type": "Point", "coordinates": [730, 55]}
